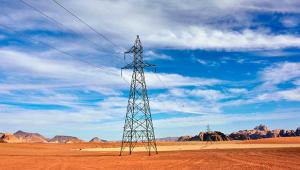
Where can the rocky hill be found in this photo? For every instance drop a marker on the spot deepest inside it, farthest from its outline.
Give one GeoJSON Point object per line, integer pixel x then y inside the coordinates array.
{"type": "Point", "coordinates": [65, 139]}
{"type": "Point", "coordinates": [206, 136]}
{"type": "Point", "coordinates": [26, 137]}
{"type": "Point", "coordinates": [262, 131]}
{"type": "Point", "coordinates": [298, 131]}
{"type": "Point", "coordinates": [8, 138]}
{"type": "Point", "coordinates": [97, 140]}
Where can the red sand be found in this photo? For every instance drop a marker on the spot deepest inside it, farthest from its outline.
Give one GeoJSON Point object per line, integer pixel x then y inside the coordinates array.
{"type": "Point", "coordinates": [281, 140]}
{"type": "Point", "coordinates": [62, 156]}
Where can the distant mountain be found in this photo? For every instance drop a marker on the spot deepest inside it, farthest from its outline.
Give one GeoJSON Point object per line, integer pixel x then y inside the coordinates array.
{"type": "Point", "coordinates": [8, 138]}
{"type": "Point", "coordinates": [262, 131]}
{"type": "Point", "coordinates": [65, 139]}
{"type": "Point", "coordinates": [97, 140]}
{"type": "Point", "coordinates": [168, 139]}
{"type": "Point", "coordinates": [258, 132]}
{"type": "Point", "coordinates": [26, 137]}
{"type": "Point", "coordinates": [206, 136]}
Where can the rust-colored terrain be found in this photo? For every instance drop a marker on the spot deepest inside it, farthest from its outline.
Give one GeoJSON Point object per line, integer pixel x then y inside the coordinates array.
{"type": "Point", "coordinates": [68, 156]}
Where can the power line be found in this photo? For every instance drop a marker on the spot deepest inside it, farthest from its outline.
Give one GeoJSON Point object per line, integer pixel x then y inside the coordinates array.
{"type": "Point", "coordinates": [62, 26]}
{"type": "Point", "coordinates": [55, 21]}
{"type": "Point", "coordinates": [58, 50]}
{"type": "Point", "coordinates": [86, 24]}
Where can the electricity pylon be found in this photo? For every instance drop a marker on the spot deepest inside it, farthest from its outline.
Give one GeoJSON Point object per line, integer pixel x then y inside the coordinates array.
{"type": "Point", "coordinates": [208, 133]}
{"type": "Point", "coordinates": [138, 122]}
{"type": "Point", "coordinates": [208, 128]}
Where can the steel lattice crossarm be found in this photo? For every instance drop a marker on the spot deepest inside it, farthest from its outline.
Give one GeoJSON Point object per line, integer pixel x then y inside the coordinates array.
{"type": "Point", "coordinates": [137, 51]}
{"type": "Point", "coordinates": [140, 65]}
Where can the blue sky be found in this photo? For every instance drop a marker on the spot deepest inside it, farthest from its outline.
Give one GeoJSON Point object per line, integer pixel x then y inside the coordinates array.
{"type": "Point", "coordinates": [231, 64]}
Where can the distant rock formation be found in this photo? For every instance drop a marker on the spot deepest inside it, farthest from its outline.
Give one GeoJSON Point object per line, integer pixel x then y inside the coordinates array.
{"type": "Point", "coordinates": [184, 138]}
{"type": "Point", "coordinates": [97, 140]}
{"type": "Point", "coordinates": [240, 135]}
{"type": "Point", "coordinates": [287, 133]}
{"type": "Point", "coordinates": [8, 138]}
{"type": "Point", "coordinates": [262, 131]}
{"type": "Point", "coordinates": [298, 131]}
{"type": "Point", "coordinates": [1, 137]}
{"type": "Point", "coordinates": [206, 136]}
{"type": "Point", "coordinates": [273, 133]}
{"type": "Point", "coordinates": [26, 137]}
{"type": "Point", "coordinates": [65, 139]}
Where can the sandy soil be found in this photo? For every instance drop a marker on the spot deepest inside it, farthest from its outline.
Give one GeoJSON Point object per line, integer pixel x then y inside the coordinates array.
{"type": "Point", "coordinates": [65, 156]}
{"type": "Point", "coordinates": [200, 147]}
{"type": "Point", "coordinates": [290, 142]}
{"type": "Point", "coordinates": [281, 140]}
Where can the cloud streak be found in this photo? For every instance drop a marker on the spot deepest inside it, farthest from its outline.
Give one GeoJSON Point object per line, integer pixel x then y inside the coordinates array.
{"type": "Point", "coordinates": [169, 26]}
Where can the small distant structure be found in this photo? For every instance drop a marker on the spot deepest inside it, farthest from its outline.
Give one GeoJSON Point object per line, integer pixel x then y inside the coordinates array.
{"type": "Point", "coordinates": [209, 134]}
{"type": "Point", "coordinates": [208, 128]}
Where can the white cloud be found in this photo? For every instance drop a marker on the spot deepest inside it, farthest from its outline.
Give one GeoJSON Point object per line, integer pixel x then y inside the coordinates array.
{"type": "Point", "coordinates": [289, 6]}
{"type": "Point", "coordinates": [289, 95]}
{"type": "Point", "coordinates": [47, 80]}
{"type": "Point", "coordinates": [297, 82]}
{"type": "Point", "coordinates": [208, 94]}
{"type": "Point", "coordinates": [219, 119]}
{"type": "Point", "coordinates": [290, 21]}
{"type": "Point", "coordinates": [207, 63]}
{"type": "Point", "coordinates": [268, 90]}
{"type": "Point", "coordinates": [173, 106]}
{"type": "Point", "coordinates": [151, 55]}
{"type": "Point", "coordinates": [238, 90]}
{"type": "Point", "coordinates": [72, 73]}
{"type": "Point", "coordinates": [203, 62]}
{"type": "Point", "coordinates": [276, 53]}
{"type": "Point", "coordinates": [209, 38]}
{"type": "Point", "coordinates": [266, 97]}
{"type": "Point", "coordinates": [280, 73]}
{"type": "Point", "coordinates": [52, 117]}
{"type": "Point", "coordinates": [196, 101]}
{"type": "Point", "coordinates": [61, 70]}
{"type": "Point", "coordinates": [165, 103]}
{"type": "Point", "coordinates": [206, 27]}
{"type": "Point", "coordinates": [169, 27]}
{"type": "Point", "coordinates": [164, 80]}
{"type": "Point", "coordinates": [88, 116]}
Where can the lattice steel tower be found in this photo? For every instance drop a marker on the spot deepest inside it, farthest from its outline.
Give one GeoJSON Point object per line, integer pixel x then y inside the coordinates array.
{"type": "Point", "coordinates": [138, 122]}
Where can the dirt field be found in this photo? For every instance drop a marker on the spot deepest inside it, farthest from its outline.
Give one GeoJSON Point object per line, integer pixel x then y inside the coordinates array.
{"type": "Point", "coordinates": [68, 156]}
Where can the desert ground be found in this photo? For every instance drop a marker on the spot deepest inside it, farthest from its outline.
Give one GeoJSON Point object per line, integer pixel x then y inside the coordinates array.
{"type": "Point", "coordinates": [273, 153]}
